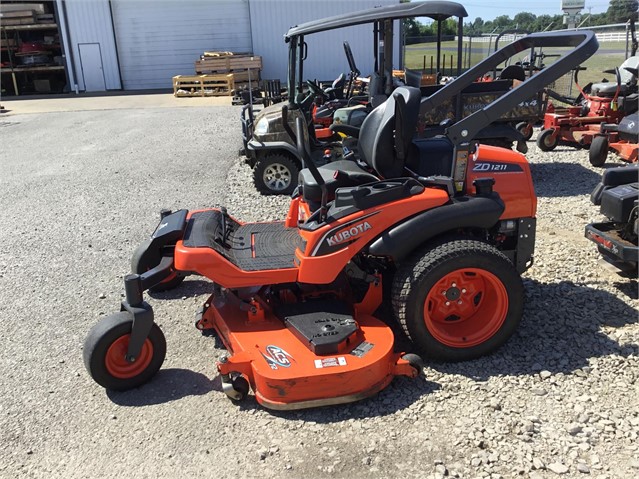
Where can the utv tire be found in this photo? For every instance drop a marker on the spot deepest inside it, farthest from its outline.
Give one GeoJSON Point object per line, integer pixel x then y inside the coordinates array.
{"type": "Point", "coordinates": [276, 174]}
{"type": "Point", "coordinates": [546, 142]}
{"type": "Point", "coordinates": [525, 129]}
{"type": "Point", "coordinates": [458, 300]}
{"type": "Point", "coordinates": [598, 151]}
{"type": "Point", "coordinates": [105, 348]}
{"type": "Point", "coordinates": [144, 259]}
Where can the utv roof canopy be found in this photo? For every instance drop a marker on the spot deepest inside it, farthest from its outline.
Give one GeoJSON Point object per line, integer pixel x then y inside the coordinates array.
{"type": "Point", "coordinates": [438, 10]}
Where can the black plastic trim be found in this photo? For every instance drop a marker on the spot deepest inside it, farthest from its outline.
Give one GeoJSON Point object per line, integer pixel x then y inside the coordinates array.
{"type": "Point", "coordinates": [464, 212]}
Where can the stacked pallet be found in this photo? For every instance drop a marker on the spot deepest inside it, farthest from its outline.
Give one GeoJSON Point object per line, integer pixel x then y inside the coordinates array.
{"type": "Point", "coordinates": [219, 73]}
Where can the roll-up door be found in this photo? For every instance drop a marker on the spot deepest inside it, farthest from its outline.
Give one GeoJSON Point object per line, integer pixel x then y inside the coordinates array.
{"type": "Point", "coordinates": [157, 40]}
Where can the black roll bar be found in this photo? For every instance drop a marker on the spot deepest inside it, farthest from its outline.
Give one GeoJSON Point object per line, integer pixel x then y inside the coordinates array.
{"type": "Point", "coordinates": [584, 45]}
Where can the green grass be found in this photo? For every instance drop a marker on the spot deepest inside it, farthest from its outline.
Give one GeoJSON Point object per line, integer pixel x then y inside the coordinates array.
{"type": "Point", "coordinates": [609, 55]}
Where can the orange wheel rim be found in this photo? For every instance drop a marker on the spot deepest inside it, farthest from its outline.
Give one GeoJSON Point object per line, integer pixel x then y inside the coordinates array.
{"type": "Point", "coordinates": [119, 367]}
{"type": "Point", "coordinates": [466, 307]}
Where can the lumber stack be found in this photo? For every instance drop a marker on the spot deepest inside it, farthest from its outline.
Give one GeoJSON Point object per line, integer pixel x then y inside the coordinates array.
{"type": "Point", "coordinates": [219, 73]}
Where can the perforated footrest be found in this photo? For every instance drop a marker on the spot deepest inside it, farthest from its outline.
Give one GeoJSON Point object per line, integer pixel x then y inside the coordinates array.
{"type": "Point", "coordinates": [250, 246]}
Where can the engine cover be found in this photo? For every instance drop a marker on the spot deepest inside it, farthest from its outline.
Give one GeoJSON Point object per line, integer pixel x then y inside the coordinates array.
{"type": "Point", "coordinates": [617, 203]}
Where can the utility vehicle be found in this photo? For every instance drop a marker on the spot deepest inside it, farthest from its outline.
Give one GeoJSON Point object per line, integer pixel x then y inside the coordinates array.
{"type": "Point", "coordinates": [269, 150]}
{"type": "Point", "coordinates": [438, 228]}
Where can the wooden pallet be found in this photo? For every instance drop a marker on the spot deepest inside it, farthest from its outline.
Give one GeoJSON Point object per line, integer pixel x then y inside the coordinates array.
{"type": "Point", "coordinates": [227, 64]}
{"type": "Point", "coordinates": [203, 85]}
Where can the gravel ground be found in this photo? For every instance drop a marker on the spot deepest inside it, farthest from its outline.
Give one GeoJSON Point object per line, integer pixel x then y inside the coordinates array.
{"type": "Point", "coordinates": [79, 190]}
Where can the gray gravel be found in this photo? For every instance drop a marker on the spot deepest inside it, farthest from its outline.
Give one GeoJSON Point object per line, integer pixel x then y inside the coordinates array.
{"type": "Point", "coordinates": [79, 190]}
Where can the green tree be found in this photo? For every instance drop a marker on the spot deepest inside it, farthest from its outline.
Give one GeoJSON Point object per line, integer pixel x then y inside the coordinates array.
{"type": "Point", "coordinates": [621, 11]}
{"type": "Point", "coordinates": [525, 21]}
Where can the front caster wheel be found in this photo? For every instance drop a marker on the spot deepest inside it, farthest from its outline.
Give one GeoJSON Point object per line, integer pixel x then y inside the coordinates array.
{"type": "Point", "coordinates": [235, 386]}
{"type": "Point", "coordinates": [105, 349]}
{"type": "Point", "coordinates": [416, 362]}
{"type": "Point", "coordinates": [458, 300]}
{"type": "Point", "coordinates": [526, 129]}
{"type": "Point", "coordinates": [547, 140]}
{"type": "Point", "coordinates": [598, 151]}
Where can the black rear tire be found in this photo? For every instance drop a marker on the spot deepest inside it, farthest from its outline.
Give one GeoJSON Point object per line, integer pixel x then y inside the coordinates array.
{"type": "Point", "coordinates": [481, 317]}
{"type": "Point", "coordinates": [104, 350]}
{"type": "Point", "coordinates": [598, 151]}
{"type": "Point", "coordinates": [276, 174]}
{"type": "Point", "coordinates": [545, 140]}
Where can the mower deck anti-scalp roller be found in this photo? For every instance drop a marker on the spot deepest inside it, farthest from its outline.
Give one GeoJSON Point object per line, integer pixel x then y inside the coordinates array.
{"type": "Point", "coordinates": [436, 230]}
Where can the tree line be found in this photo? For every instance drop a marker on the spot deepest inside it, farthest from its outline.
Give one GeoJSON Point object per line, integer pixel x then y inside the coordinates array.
{"type": "Point", "coordinates": [619, 11]}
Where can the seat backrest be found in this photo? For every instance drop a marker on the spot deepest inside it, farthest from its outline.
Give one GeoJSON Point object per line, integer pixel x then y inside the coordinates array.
{"type": "Point", "coordinates": [376, 143]}
{"type": "Point", "coordinates": [627, 76]}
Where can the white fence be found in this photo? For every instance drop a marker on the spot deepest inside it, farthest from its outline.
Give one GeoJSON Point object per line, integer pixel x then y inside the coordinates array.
{"type": "Point", "coordinates": [505, 39]}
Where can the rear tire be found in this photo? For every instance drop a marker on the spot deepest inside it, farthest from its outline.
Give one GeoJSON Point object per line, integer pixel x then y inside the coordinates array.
{"type": "Point", "coordinates": [458, 300]}
{"type": "Point", "coordinates": [106, 346]}
{"type": "Point", "coordinates": [546, 141]}
{"type": "Point", "coordinates": [275, 174]}
{"type": "Point", "coordinates": [598, 151]}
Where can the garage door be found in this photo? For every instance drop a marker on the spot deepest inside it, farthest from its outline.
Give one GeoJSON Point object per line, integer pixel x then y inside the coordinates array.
{"type": "Point", "coordinates": [157, 40]}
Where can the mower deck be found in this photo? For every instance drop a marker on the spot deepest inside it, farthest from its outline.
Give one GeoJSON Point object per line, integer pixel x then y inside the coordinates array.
{"type": "Point", "coordinates": [284, 371]}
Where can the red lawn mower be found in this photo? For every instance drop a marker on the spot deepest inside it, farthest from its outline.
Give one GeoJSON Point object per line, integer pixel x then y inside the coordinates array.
{"type": "Point", "coordinates": [440, 228]}
{"type": "Point", "coordinates": [622, 139]}
{"type": "Point", "coordinates": [606, 102]}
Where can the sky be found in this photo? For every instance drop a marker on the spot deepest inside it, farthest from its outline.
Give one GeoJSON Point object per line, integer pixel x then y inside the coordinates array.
{"type": "Point", "coordinates": [489, 9]}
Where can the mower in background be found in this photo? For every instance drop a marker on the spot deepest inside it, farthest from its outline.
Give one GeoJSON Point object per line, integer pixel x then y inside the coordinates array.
{"type": "Point", "coordinates": [617, 195]}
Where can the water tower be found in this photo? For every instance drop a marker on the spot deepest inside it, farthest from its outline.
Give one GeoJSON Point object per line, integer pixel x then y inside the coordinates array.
{"type": "Point", "coordinates": [572, 10]}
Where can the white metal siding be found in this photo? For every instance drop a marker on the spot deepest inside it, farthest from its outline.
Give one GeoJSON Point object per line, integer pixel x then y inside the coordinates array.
{"type": "Point", "coordinates": [90, 22]}
{"type": "Point", "coordinates": [159, 39]}
{"type": "Point", "coordinates": [271, 19]}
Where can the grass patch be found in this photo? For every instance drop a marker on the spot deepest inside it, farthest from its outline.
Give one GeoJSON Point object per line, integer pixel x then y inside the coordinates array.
{"type": "Point", "coordinates": [609, 55]}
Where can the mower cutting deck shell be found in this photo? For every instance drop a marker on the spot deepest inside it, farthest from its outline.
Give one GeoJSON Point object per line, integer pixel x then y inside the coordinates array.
{"type": "Point", "coordinates": [448, 225]}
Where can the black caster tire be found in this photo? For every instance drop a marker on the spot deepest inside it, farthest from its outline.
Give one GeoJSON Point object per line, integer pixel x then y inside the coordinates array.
{"type": "Point", "coordinates": [105, 348]}
{"type": "Point", "coordinates": [276, 174]}
{"type": "Point", "coordinates": [241, 386]}
{"type": "Point", "coordinates": [144, 259]}
{"type": "Point", "coordinates": [546, 142]}
{"type": "Point", "coordinates": [458, 299]}
{"type": "Point", "coordinates": [598, 151]}
{"type": "Point", "coordinates": [525, 129]}
{"type": "Point", "coordinates": [416, 362]}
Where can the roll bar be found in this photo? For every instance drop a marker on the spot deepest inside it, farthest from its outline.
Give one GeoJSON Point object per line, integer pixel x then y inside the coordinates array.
{"type": "Point", "coordinates": [584, 45]}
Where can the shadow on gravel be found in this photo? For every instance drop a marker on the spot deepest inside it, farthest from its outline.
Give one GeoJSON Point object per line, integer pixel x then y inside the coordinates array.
{"type": "Point", "coordinates": [167, 385]}
{"type": "Point", "coordinates": [560, 332]}
{"type": "Point", "coordinates": [557, 179]}
{"type": "Point", "coordinates": [188, 289]}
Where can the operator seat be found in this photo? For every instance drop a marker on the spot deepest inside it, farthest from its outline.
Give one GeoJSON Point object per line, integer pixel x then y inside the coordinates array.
{"type": "Point", "coordinates": [376, 147]}
{"type": "Point", "coordinates": [336, 90]}
{"type": "Point", "coordinates": [628, 76]}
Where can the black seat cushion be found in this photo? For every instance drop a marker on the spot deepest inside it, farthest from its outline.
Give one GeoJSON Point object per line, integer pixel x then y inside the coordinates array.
{"type": "Point", "coordinates": [337, 174]}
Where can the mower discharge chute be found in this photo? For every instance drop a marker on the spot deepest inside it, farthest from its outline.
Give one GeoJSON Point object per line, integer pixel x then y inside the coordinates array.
{"type": "Point", "coordinates": [440, 228]}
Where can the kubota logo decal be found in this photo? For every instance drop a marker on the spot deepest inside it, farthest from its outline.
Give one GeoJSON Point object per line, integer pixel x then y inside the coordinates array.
{"type": "Point", "coordinates": [348, 233]}
{"type": "Point", "coordinates": [276, 356]}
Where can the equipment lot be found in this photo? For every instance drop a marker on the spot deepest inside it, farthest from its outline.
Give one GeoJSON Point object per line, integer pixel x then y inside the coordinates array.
{"type": "Point", "coordinates": [80, 189]}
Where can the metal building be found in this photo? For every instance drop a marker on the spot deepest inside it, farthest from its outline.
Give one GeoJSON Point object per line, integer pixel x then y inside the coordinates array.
{"type": "Point", "coordinates": [141, 44]}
